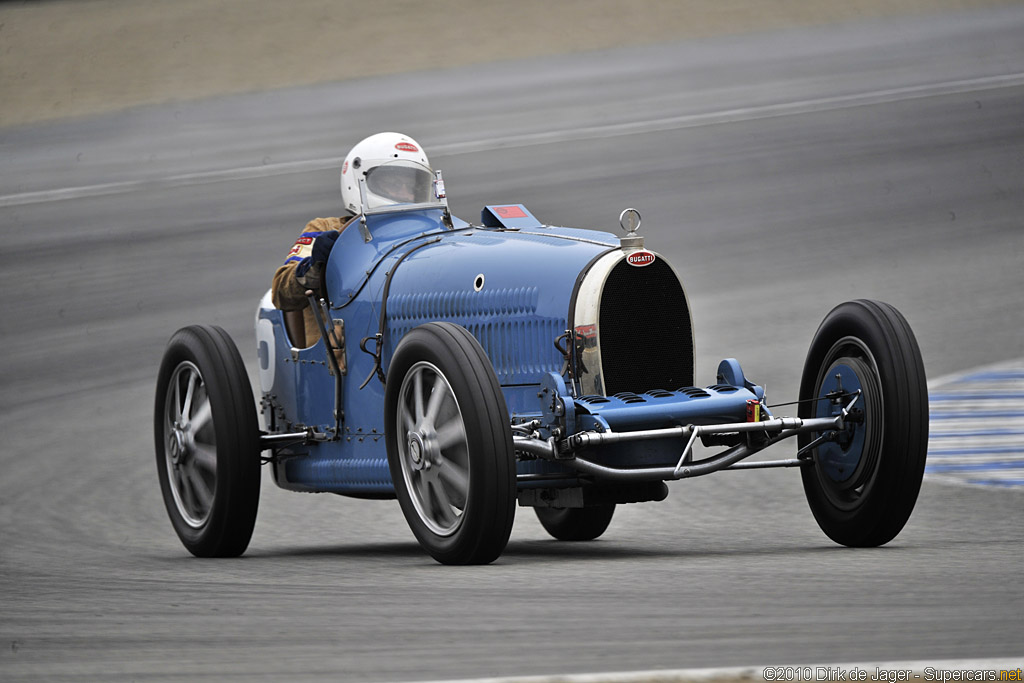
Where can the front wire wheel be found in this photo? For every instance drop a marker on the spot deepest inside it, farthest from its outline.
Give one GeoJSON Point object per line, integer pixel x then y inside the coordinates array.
{"type": "Point", "coordinates": [449, 444]}
{"type": "Point", "coordinates": [864, 481]}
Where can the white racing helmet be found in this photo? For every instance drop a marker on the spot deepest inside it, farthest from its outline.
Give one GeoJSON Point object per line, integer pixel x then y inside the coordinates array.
{"type": "Point", "coordinates": [396, 171]}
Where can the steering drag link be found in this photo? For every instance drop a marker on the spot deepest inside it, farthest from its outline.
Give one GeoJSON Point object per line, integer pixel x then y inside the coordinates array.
{"type": "Point", "coordinates": [782, 428]}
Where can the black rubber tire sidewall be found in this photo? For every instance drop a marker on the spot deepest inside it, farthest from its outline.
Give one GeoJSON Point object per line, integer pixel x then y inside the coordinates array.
{"type": "Point", "coordinates": [228, 529]}
{"type": "Point", "coordinates": [884, 510]}
{"type": "Point", "coordinates": [576, 524]}
{"type": "Point", "coordinates": [490, 506]}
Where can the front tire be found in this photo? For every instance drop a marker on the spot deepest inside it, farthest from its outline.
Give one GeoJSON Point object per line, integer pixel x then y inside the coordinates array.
{"type": "Point", "coordinates": [207, 442]}
{"type": "Point", "coordinates": [863, 486]}
{"type": "Point", "coordinates": [449, 445]}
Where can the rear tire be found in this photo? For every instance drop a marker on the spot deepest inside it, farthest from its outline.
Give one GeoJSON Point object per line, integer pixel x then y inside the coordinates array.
{"type": "Point", "coordinates": [863, 488]}
{"type": "Point", "coordinates": [576, 524]}
{"type": "Point", "coordinates": [207, 442]}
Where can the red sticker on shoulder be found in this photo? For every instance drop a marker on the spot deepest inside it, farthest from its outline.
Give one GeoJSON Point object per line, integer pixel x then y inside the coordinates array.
{"type": "Point", "coordinates": [406, 147]}
{"type": "Point", "coordinates": [304, 240]}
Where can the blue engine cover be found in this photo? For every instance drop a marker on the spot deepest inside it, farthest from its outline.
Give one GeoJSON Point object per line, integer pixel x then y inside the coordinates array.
{"type": "Point", "coordinates": [630, 412]}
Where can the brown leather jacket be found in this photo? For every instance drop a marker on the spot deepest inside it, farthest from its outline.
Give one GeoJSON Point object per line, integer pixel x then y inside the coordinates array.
{"type": "Point", "coordinates": [289, 291]}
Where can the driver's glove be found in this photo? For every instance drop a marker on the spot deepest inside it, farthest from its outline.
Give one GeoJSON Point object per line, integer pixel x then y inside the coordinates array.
{"type": "Point", "coordinates": [307, 273]}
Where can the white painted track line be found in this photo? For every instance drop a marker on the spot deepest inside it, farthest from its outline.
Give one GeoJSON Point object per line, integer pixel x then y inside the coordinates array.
{"type": "Point", "coordinates": [763, 111]}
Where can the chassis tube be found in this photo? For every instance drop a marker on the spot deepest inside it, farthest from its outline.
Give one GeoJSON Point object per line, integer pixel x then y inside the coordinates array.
{"type": "Point", "coordinates": [585, 439]}
{"type": "Point", "coordinates": [785, 428]}
{"type": "Point", "coordinates": [268, 441]}
{"type": "Point", "coordinates": [542, 449]}
{"type": "Point", "coordinates": [685, 470]}
{"type": "Point", "coordinates": [769, 464]}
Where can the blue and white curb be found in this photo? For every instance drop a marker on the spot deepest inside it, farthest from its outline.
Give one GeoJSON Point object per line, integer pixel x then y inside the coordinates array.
{"type": "Point", "coordinates": [976, 433]}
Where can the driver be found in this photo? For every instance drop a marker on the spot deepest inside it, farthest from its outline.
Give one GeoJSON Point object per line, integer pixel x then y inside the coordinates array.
{"type": "Point", "coordinates": [396, 171]}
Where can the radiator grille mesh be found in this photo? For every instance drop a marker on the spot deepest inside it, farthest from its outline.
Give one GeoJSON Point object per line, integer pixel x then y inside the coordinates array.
{"type": "Point", "coordinates": [646, 339]}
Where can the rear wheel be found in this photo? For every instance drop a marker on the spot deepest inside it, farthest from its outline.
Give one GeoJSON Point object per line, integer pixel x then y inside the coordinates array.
{"type": "Point", "coordinates": [576, 524]}
{"type": "Point", "coordinates": [449, 445]}
{"type": "Point", "coordinates": [864, 482]}
{"type": "Point", "coordinates": [207, 442]}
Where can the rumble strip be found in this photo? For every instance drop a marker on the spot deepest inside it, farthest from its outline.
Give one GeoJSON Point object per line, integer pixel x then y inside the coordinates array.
{"type": "Point", "coordinates": [976, 436]}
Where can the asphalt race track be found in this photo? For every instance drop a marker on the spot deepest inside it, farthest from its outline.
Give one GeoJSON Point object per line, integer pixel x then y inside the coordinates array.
{"type": "Point", "coordinates": [781, 173]}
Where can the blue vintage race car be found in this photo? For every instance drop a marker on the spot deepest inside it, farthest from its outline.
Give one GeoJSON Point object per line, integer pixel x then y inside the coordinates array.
{"type": "Point", "coordinates": [463, 368]}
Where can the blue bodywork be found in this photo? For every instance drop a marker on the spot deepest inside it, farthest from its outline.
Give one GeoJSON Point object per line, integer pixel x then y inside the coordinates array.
{"type": "Point", "coordinates": [510, 282]}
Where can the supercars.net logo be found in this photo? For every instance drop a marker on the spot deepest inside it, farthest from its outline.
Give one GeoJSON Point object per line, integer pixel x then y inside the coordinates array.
{"type": "Point", "coordinates": [837, 674]}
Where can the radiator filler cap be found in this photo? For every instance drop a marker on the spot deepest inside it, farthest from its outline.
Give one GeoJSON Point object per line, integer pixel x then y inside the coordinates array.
{"type": "Point", "coordinates": [629, 219]}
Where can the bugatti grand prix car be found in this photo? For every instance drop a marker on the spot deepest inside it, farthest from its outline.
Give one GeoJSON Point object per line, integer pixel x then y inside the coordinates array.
{"type": "Point", "coordinates": [464, 368]}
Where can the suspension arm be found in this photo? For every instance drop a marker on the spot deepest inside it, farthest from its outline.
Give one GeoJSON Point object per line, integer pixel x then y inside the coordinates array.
{"type": "Point", "coordinates": [778, 429]}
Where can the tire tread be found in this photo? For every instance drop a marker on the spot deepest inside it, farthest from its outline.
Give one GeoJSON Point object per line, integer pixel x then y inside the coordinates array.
{"type": "Point", "coordinates": [887, 333]}
{"type": "Point", "coordinates": [229, 528]}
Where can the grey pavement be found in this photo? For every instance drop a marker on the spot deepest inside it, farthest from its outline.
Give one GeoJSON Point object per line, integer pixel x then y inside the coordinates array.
{"type": "Point", "coordinates": [780, 172]}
